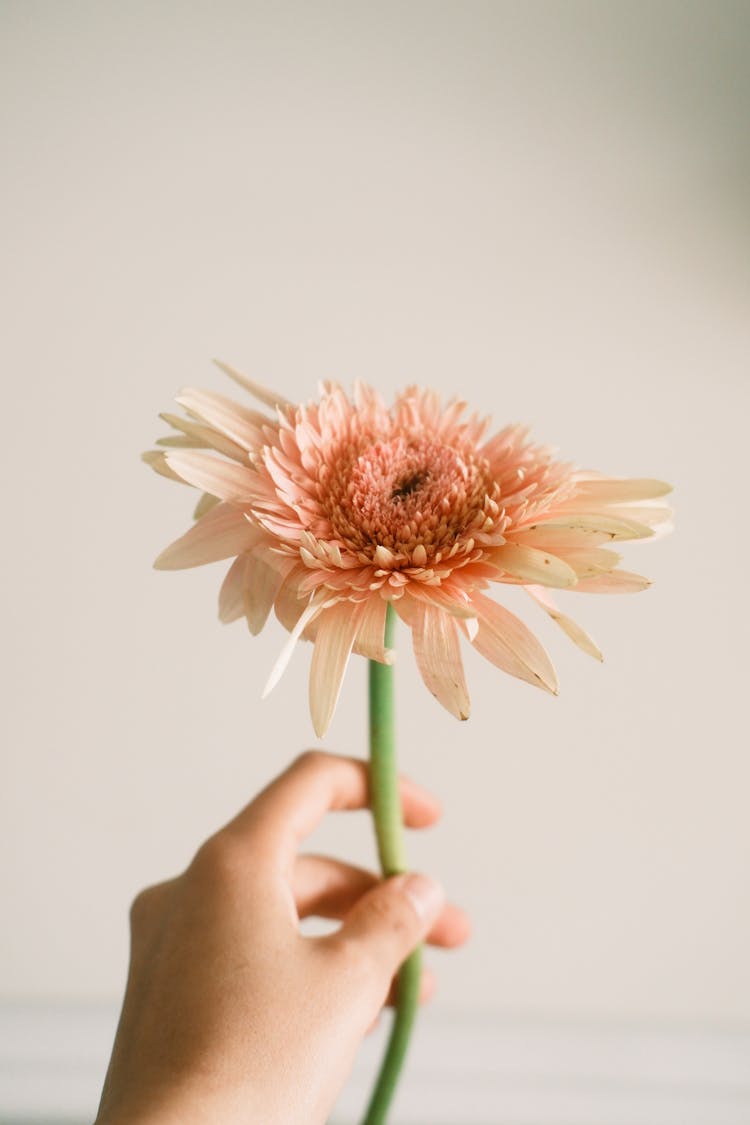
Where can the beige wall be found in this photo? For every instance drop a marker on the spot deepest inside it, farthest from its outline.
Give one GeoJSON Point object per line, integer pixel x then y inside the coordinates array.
{"type": "Point", "coordinates": [540, 205]}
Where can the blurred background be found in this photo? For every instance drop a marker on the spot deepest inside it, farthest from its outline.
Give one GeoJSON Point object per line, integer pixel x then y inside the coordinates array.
{"type": "Point", "coordinates": [542, 206]}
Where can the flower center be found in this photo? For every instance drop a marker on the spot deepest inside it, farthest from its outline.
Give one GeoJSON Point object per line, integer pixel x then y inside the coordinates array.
{"type": "Point", "coordinates": [410, 484]}
{"type": "Point", "coordinates": [403, 493]}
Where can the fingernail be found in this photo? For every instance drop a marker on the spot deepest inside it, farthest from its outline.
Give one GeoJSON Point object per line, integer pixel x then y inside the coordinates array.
{"type": "Point", "coordinates": [426, 895]}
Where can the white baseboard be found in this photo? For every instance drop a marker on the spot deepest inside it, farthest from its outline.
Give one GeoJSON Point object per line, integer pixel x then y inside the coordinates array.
{"type": "Point", "coordinates": [462, 1070]}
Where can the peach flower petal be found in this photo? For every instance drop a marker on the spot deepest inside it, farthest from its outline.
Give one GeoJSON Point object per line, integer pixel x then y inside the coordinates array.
{"type": "Point", "coordinates": [262, 582]}
{"type": "Point", "coordinates": [503, 639]}
{"type": "Point", "coordinates": [370, 639]}
{"type": "Point", "coordinates": [195, 435]}
{"type": "Point", "coordinates": [615, 582]}
{"type": "Point", "coordinates": [438, 655]}
{"type": "Point", "coordinates": [616, 490]}
{"type": "Point", "coordinates": [221, 533]}
{"type": "Point", "coordinates": [224, 479]}
{"type": "Point", "coordinates": [337, 630]}
{"type": "Point", "coordinates": [232, 592]}
{"type": "Point", "coordinates": [242, 426]}
{"type": "Point", "coordinates": [570, 627]}
{"type": "Point", "coordinates": [531, 564]}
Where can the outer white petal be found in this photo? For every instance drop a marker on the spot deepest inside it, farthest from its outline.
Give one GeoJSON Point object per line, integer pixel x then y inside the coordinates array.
{"type": "Point", "coordinates": [436, 648]}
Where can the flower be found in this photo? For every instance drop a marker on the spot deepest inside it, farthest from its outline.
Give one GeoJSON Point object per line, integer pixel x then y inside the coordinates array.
{"type": "Point", "coordinates": [334, 509]}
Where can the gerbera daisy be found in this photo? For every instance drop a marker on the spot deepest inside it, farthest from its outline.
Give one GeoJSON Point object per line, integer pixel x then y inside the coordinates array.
{"type": "Point", "coordinates": [333, 510]}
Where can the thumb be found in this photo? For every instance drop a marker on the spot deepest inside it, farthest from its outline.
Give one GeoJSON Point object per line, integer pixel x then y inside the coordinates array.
{"type": "Point", "coordinates": [392, 919]}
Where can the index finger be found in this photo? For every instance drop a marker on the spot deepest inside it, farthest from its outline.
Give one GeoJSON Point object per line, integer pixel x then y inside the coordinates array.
{"type": "Point", "coordinates": [288, 809]}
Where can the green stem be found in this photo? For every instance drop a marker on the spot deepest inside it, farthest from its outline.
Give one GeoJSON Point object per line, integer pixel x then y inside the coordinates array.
{"type": "Point", "coordinates": [386, 811]}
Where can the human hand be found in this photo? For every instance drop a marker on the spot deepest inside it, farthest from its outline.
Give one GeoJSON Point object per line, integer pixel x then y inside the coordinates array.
{"type": "Point", "coordinates": [231, 1015]}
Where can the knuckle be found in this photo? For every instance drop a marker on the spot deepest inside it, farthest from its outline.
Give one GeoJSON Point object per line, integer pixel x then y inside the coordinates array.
{"type": "Point", "coordinates": [216, 859]}
{"type": "Point", "coordinates": [311, 760]}
{"type": "Point", "coordinates": [142, 907]}
{"type": "Point", "coordinates": [393, 913]}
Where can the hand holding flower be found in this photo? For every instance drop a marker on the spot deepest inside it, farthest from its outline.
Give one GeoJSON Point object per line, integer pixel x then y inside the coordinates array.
{"type": "Point", "coordinates": [343, 514]}
{"type": "Point", "coordinates": [231, 1014]}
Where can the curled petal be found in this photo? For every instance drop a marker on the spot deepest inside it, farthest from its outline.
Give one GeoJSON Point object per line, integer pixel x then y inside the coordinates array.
{"type": "Point", "coordinates": [384, 558]}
